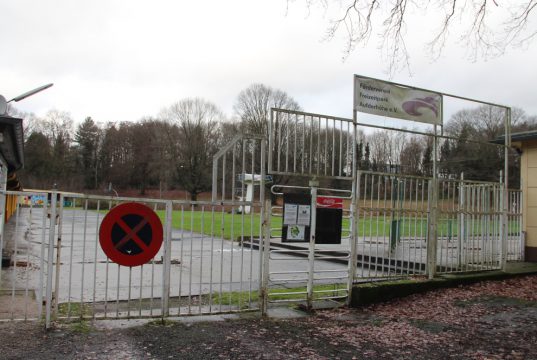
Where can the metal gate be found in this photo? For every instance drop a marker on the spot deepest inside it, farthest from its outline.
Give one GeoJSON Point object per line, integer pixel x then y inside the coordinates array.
{"type": "Point", "coordinates": [472, 235]}
{"type": "Point", "coordinates": [393, 217]}
{"type": "Point", "coordinates": [469, 226]}
{"type": "Point", "coordinates": [209, 262]}
{"type": "Point", "coordinates": [396, 221]}
{"type": "Point", "coordinates": [313, 155]}
{"type": "Point", "coordinates": [307, 272]}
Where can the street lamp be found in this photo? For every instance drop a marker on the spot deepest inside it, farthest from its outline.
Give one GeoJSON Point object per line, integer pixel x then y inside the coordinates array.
{"type": "Point", "coordinates": [3, 102]}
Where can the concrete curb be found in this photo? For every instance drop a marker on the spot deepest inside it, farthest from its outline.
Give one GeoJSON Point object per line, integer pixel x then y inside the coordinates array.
{"type": "Point", "coordinates": [371, 293]}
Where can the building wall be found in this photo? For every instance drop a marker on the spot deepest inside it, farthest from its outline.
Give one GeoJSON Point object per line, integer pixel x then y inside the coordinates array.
{"type": "Point", "coordinates": [11, 206]}
{"type": "Point", "coordinates": [528, 178]}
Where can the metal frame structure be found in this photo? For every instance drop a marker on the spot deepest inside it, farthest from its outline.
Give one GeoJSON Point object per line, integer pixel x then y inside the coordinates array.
{"type": "Point", "coordinates": [316, 147]}
{"type": "Point", "coordinates": [217, 259]}
{"type": "Point", "coordinates": [432, 224]}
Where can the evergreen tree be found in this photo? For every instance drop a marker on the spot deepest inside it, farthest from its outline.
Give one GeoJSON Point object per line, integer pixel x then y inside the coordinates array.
{"type": "Point", "coordinates": [88, 137]}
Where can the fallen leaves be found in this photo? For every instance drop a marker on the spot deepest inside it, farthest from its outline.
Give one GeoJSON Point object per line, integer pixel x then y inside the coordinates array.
{"type": "Point", "coordinates": [446, 320]}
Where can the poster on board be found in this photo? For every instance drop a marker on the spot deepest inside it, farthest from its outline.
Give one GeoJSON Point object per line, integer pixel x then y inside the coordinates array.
{"type": "Point", "coordinates": [296, 217]}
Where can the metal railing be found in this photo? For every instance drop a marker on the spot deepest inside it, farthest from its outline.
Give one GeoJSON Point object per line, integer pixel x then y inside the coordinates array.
{"type": "Point", "coordinates": [208, 262]}
{"type": "Point", "coordinates": [393, 213]}
{"type": "Point", "coordinates": [307, 144]}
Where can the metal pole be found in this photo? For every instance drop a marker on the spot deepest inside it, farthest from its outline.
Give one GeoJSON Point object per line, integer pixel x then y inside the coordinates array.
{"type": "Point", "coordinates": [265, 214]}
{"type": "Point", "coordinates": [505, 224]}
{"type": "Point", "coordinates": [311, 254]}
{"type": "Point", "coordinates": [50, 258]}
{"type": "Point", "coordinates": [264, 248]}
{"type": "Point", "coordinates": [462, 220]}
{"type": "Point", "coordinates": [58, 257]}
{"type": "Point", "coordinates": [270, 140]}
{"type": "Point", "coordinates": [432, 238]}
{"type": "Point", "coordinates": [3, 184]}
{"type": "Point", "coordinates": [167, 260]}
{"type": "Point", "coordinates": [354, 213]}
{"type": "Point", "coordinates": [215, 179]}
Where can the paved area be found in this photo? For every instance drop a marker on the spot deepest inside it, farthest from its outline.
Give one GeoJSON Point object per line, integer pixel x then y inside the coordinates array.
{"type": "Point", "coordinates": [488, 320]}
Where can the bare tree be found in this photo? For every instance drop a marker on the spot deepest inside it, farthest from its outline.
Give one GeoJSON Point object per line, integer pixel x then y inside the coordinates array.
{"type": "Point", "coordinates": [380, 150]}
{"type": "Point", "coordinates": [483, 160]}
{"type": "Point", "coordinates": [487, 28]}
{"type": "Point", "coordinates": [164, 137]}
{"type": "Point", "coordinates": [253, 106]}
{"type": "Point", "coordinates": [58, 127]}
{"type": "Point", "coordinates": [197, 121]}
{"type": "Point", "coordinates": [386, 148]}
{"type": "Point", "coordinates": [411, 155]}
{"type": "Point", "coordinates": [485, 122]}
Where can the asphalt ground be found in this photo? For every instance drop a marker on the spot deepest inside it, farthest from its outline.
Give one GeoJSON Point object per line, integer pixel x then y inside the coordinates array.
{"type": "Point", "coordinates": [486, 320]}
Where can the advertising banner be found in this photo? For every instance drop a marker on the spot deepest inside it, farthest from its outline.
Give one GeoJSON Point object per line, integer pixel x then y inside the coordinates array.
{"type": "Point", "coordinates": [329, 202]}
{"type": "Point", "coordinates": [385, 99]}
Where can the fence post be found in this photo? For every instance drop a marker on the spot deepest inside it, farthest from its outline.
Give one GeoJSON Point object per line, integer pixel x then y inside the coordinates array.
{"type": "Point", "coordinates": [462, 224]}
{"type": "Point", "coordinates": [3, 184]}
{"type": "Point", "coordinates": [505, 195]}
{"type": "Point", "coordinates": [50, 257]}
{"type": "Point", "coordinates": [353, 235]}
{"type": "Point", "coordinates": [264, 248]}
{"type": "Point", "coordinates": [432, 238]}
{"type": "Point", "coordinates": [311, 254]}
{"type": "Point", "coordinates": [432, 231]}
{"type": "Point", "coordinates": [504, 231]}
{"type": "Point", "coordinates": [58, 257]}
{"type": "Point", "coordinates": [166, 263]}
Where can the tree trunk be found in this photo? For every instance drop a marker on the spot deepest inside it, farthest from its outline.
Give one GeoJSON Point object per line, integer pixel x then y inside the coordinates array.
{"type": "Point", "coordinates": [193, 196]}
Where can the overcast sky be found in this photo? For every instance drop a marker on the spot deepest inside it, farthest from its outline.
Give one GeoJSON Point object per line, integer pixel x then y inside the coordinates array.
{"type": "Point", "coordinates": [123, 60]}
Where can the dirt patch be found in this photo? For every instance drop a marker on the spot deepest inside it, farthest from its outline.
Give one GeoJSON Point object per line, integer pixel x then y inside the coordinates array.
{"type": "Point", "coordinates": [490, 320]}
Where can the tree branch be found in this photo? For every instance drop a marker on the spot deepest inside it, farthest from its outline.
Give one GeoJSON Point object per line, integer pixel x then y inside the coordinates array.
{"type": "Point", "coordinates": [483, 35]}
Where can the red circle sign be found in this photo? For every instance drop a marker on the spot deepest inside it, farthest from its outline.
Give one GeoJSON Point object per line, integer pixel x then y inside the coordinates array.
{"type": "Point", "coordinates": [130, 234]}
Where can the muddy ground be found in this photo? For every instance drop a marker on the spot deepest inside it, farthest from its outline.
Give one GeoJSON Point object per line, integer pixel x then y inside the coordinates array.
{"type": "Point", "coordinates": [489, 320]}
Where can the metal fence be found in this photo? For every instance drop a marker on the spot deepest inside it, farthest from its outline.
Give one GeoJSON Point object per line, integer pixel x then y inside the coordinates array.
{"type": "Point", "coordinates": [206, 263]}
{"type": "Point", "coordinates": [227, 254]}
{"type": "Point", "coordinates": [396, 218]}
{"type": "Point", "coordinates": [393, 213]}
{"type": "Point", "coordinates": [470, 228]}
{"type": "Point", "coordinates": [515, 235]}
{"type": "Point", "coordinates": [307, 144]}
{"type": "Point", "coordinates": [209, 261]}
{"type": "Point", "coordinates": [28, 249]}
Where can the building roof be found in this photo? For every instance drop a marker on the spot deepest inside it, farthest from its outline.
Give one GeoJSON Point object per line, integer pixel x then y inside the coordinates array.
{"type": "Point", "coordinates": [12, 142]}
{"type": "Point", "coordinates": [519, 136]}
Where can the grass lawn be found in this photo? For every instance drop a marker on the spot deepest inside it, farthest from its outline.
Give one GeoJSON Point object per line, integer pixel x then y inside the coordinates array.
{"type": "Point", "coordinates": [230, 226]}
{"type": "Point", "coordinates": [242, 299]}
{"type": "Point", "coordinates": [218, 223]}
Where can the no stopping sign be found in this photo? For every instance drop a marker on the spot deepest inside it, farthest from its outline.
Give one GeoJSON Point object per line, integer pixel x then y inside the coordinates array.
{"type": "Point", "coordinates": [131, 234]}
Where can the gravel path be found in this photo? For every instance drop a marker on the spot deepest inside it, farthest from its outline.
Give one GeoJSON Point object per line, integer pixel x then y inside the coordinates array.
{"type": "Point", "coordinates": [489, 320]}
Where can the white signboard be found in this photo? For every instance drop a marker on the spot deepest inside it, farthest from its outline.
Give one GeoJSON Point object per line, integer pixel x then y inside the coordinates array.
{"type": "Point", "coordinates": [303, 215]}
{"type": "Point", "coordinates": [381, 98]}
{"type": "Point", "coordinates": [290, 211]}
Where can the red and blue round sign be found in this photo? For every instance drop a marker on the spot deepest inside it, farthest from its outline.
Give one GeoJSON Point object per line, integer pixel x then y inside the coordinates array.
{"type": "Point", "coordinates": [131, 234]}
